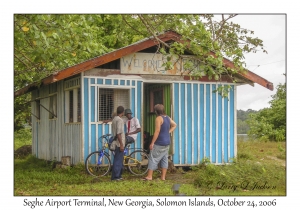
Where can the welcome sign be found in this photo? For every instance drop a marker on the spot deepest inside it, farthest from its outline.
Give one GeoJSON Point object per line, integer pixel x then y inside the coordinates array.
{"type": "Point", "coordinates": [152, 63]}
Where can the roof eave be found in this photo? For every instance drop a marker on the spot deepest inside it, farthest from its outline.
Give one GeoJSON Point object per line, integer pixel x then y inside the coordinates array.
{"type": "Point", "coordinates": [133, 48]}
{"type": "Point", "coordinates": [250, 76]}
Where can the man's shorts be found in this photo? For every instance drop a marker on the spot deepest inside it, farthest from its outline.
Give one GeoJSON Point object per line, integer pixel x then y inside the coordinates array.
{"type": "Point", "coordinates": [158, 154]}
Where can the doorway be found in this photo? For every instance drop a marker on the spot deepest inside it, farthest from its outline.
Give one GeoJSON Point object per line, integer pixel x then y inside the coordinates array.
{"type": "Point", "coordinates": [154, 93]}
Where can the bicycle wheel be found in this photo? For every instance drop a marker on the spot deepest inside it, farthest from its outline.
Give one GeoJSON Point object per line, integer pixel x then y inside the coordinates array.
{"type": "Point", "coordinates": [137, 162]}
{"type": "Point", "coordinates": [96, 165]}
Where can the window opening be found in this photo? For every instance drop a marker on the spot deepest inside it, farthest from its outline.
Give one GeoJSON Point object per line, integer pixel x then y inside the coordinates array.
{"type": "Point", "coordinates": [156, 97]}
{"type": "Point", "coordinates": [105, 104]}
{"type": "Point", "coordinates": [78, 106]}
{"type": "Point", "coordinates": [71, 106]}
{"type": "Point", "coordinates": [110, 99]}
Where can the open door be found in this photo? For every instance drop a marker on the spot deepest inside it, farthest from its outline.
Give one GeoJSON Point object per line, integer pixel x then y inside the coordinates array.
{"type": "Point", "coordinates": [154, 94]}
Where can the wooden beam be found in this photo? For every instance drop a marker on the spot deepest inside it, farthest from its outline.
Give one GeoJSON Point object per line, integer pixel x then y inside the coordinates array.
{"type": "Point", "coordinates": [25, 90]}
{"type": "Point", "coordinates": [250, 76]}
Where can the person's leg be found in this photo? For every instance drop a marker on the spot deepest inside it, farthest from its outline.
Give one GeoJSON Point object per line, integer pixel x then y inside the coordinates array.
{"type": "Point", "coordinates": [163, 173]}
{"type": "Point", "coordinates": [117, 165]}
{"type": "Point", "coordinates": [164, 164]}
{"type": "Point", "coordinates": [149, 175]}
{"type": "Point", "coordinates": [154, 158]}
{"type": "Point", "coordinates": [152, 162]}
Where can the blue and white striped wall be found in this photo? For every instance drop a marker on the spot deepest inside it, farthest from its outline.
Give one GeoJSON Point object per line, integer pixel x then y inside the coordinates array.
{"type": "Point", "coordinates": [92, 129]}
{"type": "Point", "coordinates": [205, 124]}
{"type": "Point", "coordinates": [205, 121]}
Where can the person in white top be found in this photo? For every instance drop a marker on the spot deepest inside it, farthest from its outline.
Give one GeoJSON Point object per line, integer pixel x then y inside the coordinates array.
{"type": "Point", "coordinates": [133, 126]}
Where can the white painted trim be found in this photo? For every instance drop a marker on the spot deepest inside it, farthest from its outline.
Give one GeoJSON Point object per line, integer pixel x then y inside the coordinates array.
{"type": "Point", "coordinates": [185, 122]}
{"type": "Point", "coordinates": [172, 116]}
{"type": "Point", "coordinates": [184, 81]}
{"type": "Point", "coordinates": [179, 116]}
{"type": "Point", "coordinates": [223, 120]}
{"type": "Point", "coordinates": [210, 126]}
{"type": "Point", "coordinates": [97, 145]}
{"type": "Point", "coordinates": [228, 127]}
{"type": "Point", "coordinates": [135, 99]}
{"type": "Point", "coordinates": [204, 123]}
{"type": "Point", "coordinates": [103, 132]}
{"type": "Point", "coordinates": [142, 116]}
{"type": "Point", "coordinates": [82, 115]}
{"type": "Point", "coordinates": [217, 124]}
{"type": "Point", "coordinates": [159, 81]}
{"type": "Point", "coordinates": [199, 151]}
{"type": "Point", "coordinates": [130, 95]}
{"type": "Point", "coordinates": [192, 97]}
{"type": "Point", "coordinates": [75, 104]}
{"type": "Point", "coordinates": [90, 113]}
{"type": "Point", "coordinates": [235, 122]}
{"type": "Point", "coordinates": [123, 76]}
{"type": "Point", "coordinates": [112, 86]}
{"type": "Point", "coordinates": [126, 77]}
{"type": "Point", "coordinates": [96, 103]}
{"type": "Point", "coordinates": [109, 129]}
{"type": "Point", "coordinates": [67, 105]}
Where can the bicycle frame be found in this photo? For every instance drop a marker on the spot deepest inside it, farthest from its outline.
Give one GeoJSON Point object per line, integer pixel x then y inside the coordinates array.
{"type": "Point", "coordinates": [102, 150]}
{"type": "Point", "coordinates": [136, 160]}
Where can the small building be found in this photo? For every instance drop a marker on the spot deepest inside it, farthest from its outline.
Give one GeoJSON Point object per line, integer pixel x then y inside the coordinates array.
{"type": "Point", "coordinates": [69, 107]}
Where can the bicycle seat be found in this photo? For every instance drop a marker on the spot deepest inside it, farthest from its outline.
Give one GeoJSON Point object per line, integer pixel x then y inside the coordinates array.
{"type": "Point", "coordinates": [128, 144]}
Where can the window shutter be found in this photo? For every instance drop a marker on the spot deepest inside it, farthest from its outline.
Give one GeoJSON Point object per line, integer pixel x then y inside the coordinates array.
{"type": "Point", "coordinates": [121, 98]}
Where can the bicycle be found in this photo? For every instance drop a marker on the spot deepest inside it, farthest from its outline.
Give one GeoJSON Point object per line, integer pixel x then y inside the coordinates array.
{"type": "Point", "coordinates": [98, 163]}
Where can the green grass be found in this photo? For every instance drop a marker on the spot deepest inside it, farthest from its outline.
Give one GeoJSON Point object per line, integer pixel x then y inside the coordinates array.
{"type": "Point", "coordinates": [22, 137]}
{"type": "Point", "coordinates": [257, 166]}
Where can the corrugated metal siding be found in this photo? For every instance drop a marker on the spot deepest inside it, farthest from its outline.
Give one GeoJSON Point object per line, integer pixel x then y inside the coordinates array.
{"type": "Point", "coordinates": [53, 139]}
{"type": "Point", "coordinates": [205, 124]}
{"type": "Point", "coordinates": [205, 120]}
{"type": "Point", "coordinates": [94, 129]}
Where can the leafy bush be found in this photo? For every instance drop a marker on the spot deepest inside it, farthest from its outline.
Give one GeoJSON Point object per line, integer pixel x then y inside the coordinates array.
{"type": "Point", "coordinates": [270, 123]}
{"type": "Point", "coordinates": [22, 137]}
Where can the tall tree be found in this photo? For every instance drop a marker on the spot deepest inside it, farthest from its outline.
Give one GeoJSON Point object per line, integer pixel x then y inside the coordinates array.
{"type": "Point", "coordinates": [270, 123]}
{"type": "Point", "coordinates": [44, 44]}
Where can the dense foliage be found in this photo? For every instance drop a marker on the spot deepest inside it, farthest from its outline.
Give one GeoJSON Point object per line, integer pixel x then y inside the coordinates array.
{"type": "Point", "coordinates": [270, 123]}
{"type": "Point", "coordinates": [242, 117]}
{"type": "Point", "coordinates": [47, 43]}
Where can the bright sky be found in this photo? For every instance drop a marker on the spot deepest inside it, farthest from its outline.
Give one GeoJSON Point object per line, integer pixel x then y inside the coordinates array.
{"type": "Point", "coordinates": [272, 30]}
